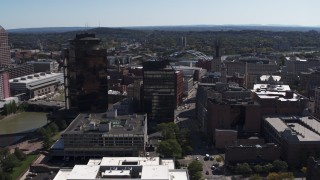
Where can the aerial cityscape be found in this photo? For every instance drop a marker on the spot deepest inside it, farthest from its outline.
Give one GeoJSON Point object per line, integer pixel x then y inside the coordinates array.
{"type": "Point", "coordinates": [161, 90]}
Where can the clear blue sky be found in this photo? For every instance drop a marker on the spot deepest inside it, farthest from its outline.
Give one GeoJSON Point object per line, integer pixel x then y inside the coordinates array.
{"type": "Point", "coordinates": [117, 13]}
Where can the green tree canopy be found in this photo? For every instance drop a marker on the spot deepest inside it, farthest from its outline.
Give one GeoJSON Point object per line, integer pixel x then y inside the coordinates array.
{"type": "Point", "coordinates": [19, 154]}
{"type": "Point", "coordinates": [243, 169]}
{"type": "Point", "coordinates": [195, 169]}
{"type": "Point", "coordinates": [170, 148]}
{"type": "Point", "coordinates": [279, 165]}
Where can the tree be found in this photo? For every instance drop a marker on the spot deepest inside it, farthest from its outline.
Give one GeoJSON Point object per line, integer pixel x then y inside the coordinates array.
{"type": "Point", "coordinates": [267, 168]}
{"type": "Point", "coordinates": [61, 123]}
{"type": "Point", "coordinates": [197, 176]}
{"type": "Point", "coordinates": [4, 152]}
{"type": "Point", "coordinates": [9, 163]}
{"type": "Point", "coordinates": [168, 130]}
{"type": "Point", "coordinates": [280, 175]}
{"type": "Point", "coordinates": [304, 170]}
{"type": "Point", "coordinates": [4, 175]}
{"type": "Point", "coordinates": [279, 165]}
{"type": "Point", "coordinates": [19, 154]}
{"type": "Point", "coordinates": [255, 177]}
{"type": "Point", "coordinates": [47, 141]}
{"type": "Point", "coordinates": [5, 110]}
{"type": "Point", "coordinates": [195, 168]}
{"type": "Point", "coordinates": [13, 107]}
{"type": "Point", "coordinates": [258, 168]}
{"type": "Point", "coordinates": [170, 148]}
{"type": "Point", "coordinates": [243, 169]}
{"type": "Point", "coordinates": [53, 128]}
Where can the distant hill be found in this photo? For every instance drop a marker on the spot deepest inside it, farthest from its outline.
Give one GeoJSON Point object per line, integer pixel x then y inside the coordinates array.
{"type": "Point", "coordinates": [47, 30]}
{"type": "Point", "coordinates": [171, 28]}
{"type": "Point", "coordinates": [226, 28]}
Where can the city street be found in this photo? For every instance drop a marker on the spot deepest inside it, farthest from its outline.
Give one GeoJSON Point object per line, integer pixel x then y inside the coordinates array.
{"type": "Point", "coordinates": [186, 119]}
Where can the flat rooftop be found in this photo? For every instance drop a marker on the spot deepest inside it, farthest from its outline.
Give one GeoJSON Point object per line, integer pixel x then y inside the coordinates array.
{"type": "Point", "coordinates": [123, 168]}
{"type": "Point", "coordinates": [34, 77]}
{"type": "Point", "coordinates": [155, 172]}
{"type": "Point", "coordinates": [139, 161]}
{"type": "Point", "coordinates": [304, 128]}
{"type": "Point", "coordinates": [84, 172]}
{"type": "Point", "coordinates": [279, 91]}
{"type": "Point", "coordinates": [92, 123]}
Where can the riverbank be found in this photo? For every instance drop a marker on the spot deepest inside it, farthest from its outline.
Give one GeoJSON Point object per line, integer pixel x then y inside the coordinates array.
{"type": "Point", "coordinates": [9, 116]}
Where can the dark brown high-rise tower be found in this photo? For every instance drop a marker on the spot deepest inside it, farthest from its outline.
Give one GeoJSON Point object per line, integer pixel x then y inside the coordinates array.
{"type": "Point", "coordinates": [85, 73]}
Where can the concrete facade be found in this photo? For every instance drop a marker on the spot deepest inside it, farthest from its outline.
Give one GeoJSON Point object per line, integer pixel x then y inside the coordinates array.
{"type": "Point", "coordinates": [105, 134]}
{"type": "Point", "coordinates": [35, 85]}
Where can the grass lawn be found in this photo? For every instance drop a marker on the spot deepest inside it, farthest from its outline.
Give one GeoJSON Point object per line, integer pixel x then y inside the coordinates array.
{"type": "Point", "coordinates": [17, 171]}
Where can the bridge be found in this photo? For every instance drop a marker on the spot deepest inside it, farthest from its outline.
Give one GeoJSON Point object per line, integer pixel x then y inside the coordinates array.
{"type": "Point", "coordinates": [197, 54]}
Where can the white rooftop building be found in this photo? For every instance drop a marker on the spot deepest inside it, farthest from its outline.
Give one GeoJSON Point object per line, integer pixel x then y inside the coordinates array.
{"type": "Point", "coordinates": [147, 168]}
{"type": "Point", "coordinates": [36, 84]}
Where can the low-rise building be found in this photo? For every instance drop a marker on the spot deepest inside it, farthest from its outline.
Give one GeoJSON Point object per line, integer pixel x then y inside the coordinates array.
{"type": "Point", "coordinates": [147, 168]}
{"type": "Point", "coordinates": [279, 99]}
{"type": "Point", "coordinates": [298, 136]}
{"type": "Point", "coordinates": [19, 70]}
{"type": "Point", "coordinates": [35, 85]}
{"type": "Point", "coordinates": [259, 153]}
{"type": "Point", "coordinates": [296, 65]}
{"type": "Point", "coordinates": [45, 65]}
{"type": "Point", "coordinates": [104, 134]}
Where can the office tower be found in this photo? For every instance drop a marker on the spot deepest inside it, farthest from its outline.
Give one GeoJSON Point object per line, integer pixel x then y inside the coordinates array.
{"type": "Point", "coordinates": [85, 71]}
{"type": "Point", "coordinates": [216, 61]}
{"type": "Point", "coordinates": [4, 84]}
{"type": "Point", "coordinates": [162, 90]}
{"type": "Point", "coordinates": [4, 48]}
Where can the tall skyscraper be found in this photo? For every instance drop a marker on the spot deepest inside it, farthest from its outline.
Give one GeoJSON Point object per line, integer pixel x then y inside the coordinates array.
{"type": "Point", "coordinates": [4, 84]}
{"type": "Point", "coordinates": [162, 90]}
{"type": "Point", "coordinates": [86, 87]}
{"type": "Point", "coordinates": [216, 61]}
{"type": "Point", "coordinates": [4, 48]}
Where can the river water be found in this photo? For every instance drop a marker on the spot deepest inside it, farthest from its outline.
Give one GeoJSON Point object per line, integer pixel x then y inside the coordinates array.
{"type": "Point", "coordinates": [22, 122]}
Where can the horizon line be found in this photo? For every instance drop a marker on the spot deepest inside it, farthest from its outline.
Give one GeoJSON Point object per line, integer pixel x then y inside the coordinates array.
{"type": "Point", "coordinates": [185, 25]}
